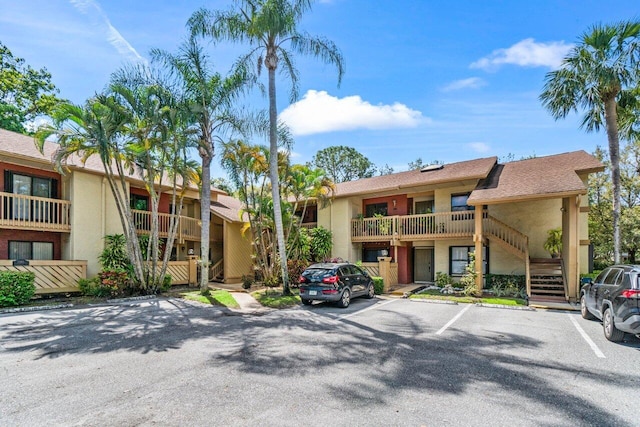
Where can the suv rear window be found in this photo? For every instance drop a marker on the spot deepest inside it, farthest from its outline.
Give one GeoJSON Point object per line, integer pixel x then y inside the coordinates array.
{"type": "Point", "coordinates": [317, 274]}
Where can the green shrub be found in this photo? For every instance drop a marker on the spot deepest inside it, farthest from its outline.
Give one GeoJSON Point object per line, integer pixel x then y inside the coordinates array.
{"type": "Point", "coordinates": [321, 243]}
{"type": "Point", "coordinates": [507, 285]}
{"type": "Point", "coordinates": [166, 283]}
{"type": "Point", "coordinates": [94, 288]}
{"type": "Point", "coordinates": [443, 279]}
{"type": "Point", "coordinates": [247, 281]}
{"type": "Point", "coordinates": [378, 284]}
{"type": "Point", "coordinates": [115, 282]}
{"type": "Point", "coordinates": [16, 287]}
{"type": "Point", "coordinates": [295, 267]}
{"type": "Point", "coordinates": [468, 280]}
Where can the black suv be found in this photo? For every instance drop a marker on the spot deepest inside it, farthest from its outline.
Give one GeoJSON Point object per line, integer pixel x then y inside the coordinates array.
{"type": "Point", "coordinates": [614, 298]}
{"type": "Point", "coordinates": [336, 282]}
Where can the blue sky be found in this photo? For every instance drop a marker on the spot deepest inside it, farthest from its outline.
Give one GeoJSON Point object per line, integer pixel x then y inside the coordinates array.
{"type": "Point", "coordinates": [439, 80]}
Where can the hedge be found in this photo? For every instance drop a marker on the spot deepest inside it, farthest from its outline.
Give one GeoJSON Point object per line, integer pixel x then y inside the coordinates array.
{"type": "Point", "coordinates": [16, 287]}
{"type": "Point", "coordinates": [378, 284]}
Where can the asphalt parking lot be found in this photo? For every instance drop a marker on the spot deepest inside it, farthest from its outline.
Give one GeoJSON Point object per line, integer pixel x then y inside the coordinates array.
{"type": "Point", "coordinates": [379, 362]}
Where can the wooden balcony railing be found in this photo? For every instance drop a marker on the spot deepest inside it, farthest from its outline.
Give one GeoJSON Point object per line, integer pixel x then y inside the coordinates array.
{"type": "Point", "coordinates": [22, 212]}
{"type": "Point", "coordinates": [513, 240]}
{"type": "Point", "coordinates": [413, 227]}
{"type": "Point", "coordinates": [309, 225]}
{"type": "Point", "coordinates": [188, 228]}
{"type": "Point", "coordinates": [442, 225]}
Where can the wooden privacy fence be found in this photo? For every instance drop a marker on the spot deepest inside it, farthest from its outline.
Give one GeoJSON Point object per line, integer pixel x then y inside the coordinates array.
{"type": "Point", "coordinates": [62, 276]}
{"type": "Point", "coordinates": [51, 276]}
{"type": "Point", "coordinates": [383, 268]}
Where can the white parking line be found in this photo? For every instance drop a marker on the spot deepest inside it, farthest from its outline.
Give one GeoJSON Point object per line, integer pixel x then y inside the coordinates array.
{"type": "Point", "coordinates": [589, 341]}
{"type": "Point", "coordinates": [373, 307]}
{"type": "Point", "coordinates": [450, 322]}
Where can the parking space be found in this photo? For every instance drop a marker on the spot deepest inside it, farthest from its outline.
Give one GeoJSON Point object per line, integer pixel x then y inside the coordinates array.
{"type": "Point", "coordinates": [378, 362]}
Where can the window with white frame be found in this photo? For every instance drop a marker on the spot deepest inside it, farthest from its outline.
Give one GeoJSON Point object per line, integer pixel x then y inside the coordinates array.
{"type": "Point", "coordinates": [459, 258]}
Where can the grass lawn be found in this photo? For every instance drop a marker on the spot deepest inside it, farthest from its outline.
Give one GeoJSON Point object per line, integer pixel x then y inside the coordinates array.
{"type": "Point", "coordinates": [218, 297]}
{"type": "Point", "coordinates": [273, 298]}
{"type": "Point", "coordinates": [435, 294]}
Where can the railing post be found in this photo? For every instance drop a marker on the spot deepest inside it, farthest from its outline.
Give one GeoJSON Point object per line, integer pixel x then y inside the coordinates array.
{"type": "Point", "coordinates": [193, 270]}
{"type": "Point", "coordinates": [384, 268]}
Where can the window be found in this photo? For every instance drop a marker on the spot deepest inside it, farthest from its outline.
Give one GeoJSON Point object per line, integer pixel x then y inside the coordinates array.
{"type": "Point", "coordinates": [138, 202]}
{"type": "Point", "coordinates": [459, 203]}
{"type": "Point", "coordinates": [26, 185]}
{"type": "Point", "coordinates": [371, 255]}
{"type": "Point", "coordinates": [459, 259]}
{"type": "Point", "coordinates": [425, 207]}
{"type": "Point", "coordinates": [30, 250]}
{"type": "Point", "coordinates": [375, 209]}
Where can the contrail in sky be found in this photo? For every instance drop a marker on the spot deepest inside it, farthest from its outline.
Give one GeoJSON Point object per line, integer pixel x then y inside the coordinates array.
{"type": "Point", "coordinates": [92, 9]}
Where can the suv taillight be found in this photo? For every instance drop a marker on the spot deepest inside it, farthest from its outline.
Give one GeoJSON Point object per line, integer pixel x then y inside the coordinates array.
{"type": "Point", "coordinates": [631, 293]}
{"type": "Point", "coordinates": [330, 279]}
{"type": "Point", "coordinates": [302, 279]}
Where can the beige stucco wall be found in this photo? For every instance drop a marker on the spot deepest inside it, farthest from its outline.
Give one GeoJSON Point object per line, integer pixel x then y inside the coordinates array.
{"type": "Point", "coordinates": [94, 214]}
{"type": "Point", "coordinates": [532, 218]}
{"type": "Point", "coordinates": [237, 253]}
{"type": "Point", "coordinates": [442, 197]}
{"type": "Point", "coordinates": [337, 218]}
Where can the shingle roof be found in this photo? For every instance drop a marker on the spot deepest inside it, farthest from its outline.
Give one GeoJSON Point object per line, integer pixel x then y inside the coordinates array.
{"type": "Point", "coordinates": [467, 170]}
{"type": "Point", "coordinates": [229, 209]}
{"type": "Point", "coordinates": [536, 178]}
{"type": "Point", "coordinates": [14, 145]}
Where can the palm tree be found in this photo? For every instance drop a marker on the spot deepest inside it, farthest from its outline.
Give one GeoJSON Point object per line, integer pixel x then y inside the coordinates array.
{"type": "Point", "coordinates": [209, 101]}
{"type": "Point", "coordinates": [595, 76]}
{"type": "Point", "coordinates": [270, 28]}
{"type": "Point", "coordinates": [96, 129]}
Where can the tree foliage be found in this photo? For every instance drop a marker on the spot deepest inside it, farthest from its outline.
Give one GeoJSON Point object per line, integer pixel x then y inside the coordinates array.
{"type": "Point", "coordinates": [248, 168]}
{"type": "Point", "coordinates": [600, 200]}
{"type": "Point", "coordinates": [25, 93]}
{"type": "Point", "coordinates": [135, 128]}
{"type": "Point", "coordinates": [599, 76]}
{"type": "Point", "coordinates": [270, 29]}
{"type": "Point", "coordinates": [343, 163]}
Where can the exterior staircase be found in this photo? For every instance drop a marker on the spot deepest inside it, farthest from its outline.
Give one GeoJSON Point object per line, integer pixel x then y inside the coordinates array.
{"type": "Point", "coordinates": [216, 272]}
{"type": "Point", "coordinates": [547, 280]}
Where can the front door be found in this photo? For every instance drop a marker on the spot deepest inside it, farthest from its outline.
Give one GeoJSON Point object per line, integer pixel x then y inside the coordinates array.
{"type": "Point", "coordinates": [423, 265]}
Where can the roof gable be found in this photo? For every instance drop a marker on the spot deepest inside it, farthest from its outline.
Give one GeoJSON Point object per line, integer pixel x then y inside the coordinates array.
{"type": "Point", "coordinates": [540, 177]}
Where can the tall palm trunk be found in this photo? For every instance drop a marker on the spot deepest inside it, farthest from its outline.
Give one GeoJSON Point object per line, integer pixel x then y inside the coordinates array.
{"type": "Point", "coordinates": [273, 171]}
{"type": "Point", "coordinates": [611, 119]}
{"type": "Point", "coordinates": [205, 214]}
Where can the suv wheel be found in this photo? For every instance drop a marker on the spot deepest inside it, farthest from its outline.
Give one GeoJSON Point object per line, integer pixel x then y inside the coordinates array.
{"type": "Point", "coordinates": [345, 299]}
{"type": "Point", "coordinates": [610, 331]}
{"type": "Point", "coordinates": [371, 292]}
{"type": "Point", "coordinates": [586, 314]}
{"type": "Point", "coordinates": [306, 301]}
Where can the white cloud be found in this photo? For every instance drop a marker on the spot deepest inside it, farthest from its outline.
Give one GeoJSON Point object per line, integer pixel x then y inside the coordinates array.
{"type": "Point", "coordinates": [319, 112]}
{"type": "Point", "coordinates": [470, 83]}
{"type": "Point", "coordinates": [526, 53]}
{"type": "Point", "coordinates": [479, 147]}
{"type": "Point", "coordinates": [92, 9]}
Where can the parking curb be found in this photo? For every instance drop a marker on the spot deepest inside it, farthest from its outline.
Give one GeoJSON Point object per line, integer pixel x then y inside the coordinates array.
{"type": "Point", "coordinates": [35, 308]}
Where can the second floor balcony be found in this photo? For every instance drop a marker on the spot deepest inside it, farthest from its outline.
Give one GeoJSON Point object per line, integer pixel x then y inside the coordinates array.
{"type": "Point", "coordinates": [188, 228]}
{"type": "Point", "coordinates": [22, 212]}
{"type": "Point", "coordinates": [437, 226]}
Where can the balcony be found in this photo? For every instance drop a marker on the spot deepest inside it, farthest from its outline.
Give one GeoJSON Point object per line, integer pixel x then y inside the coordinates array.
{"type": "Point", "coordinates": [21, 212]}
{"type": "Point", "coordinates": [444, 225]}
{"type": "Point", "coordinates": [437, 226]}
{"type": "Point", "coordinates": [188, 228]}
